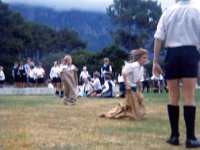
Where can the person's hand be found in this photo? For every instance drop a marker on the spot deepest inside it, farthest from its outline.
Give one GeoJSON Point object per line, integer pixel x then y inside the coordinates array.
{"type": "Point", "coordinates": [156, 69]}
{"type": "Point", "coordinates": [128, 87]}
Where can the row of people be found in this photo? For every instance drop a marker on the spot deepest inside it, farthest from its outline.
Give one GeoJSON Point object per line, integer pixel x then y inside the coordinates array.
{"type": "Point", "coordinates": [29, 73]}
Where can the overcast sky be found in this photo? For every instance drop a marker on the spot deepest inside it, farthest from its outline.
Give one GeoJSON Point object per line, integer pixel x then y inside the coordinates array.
{"type": "Point", "coordinates": [92, 5]}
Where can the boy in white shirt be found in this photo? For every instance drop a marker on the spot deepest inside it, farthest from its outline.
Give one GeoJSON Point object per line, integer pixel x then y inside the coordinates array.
{"type": "Point", "coordinates": [2, 77]}
{"type": "Point", "coordinates": [96, 84]}
{"type": "Point", "coordinates": [40, 75]}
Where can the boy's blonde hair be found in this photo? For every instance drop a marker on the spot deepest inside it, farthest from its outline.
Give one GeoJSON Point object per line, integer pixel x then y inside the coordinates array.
{"type": "Point", "coordinates": [136, 54]}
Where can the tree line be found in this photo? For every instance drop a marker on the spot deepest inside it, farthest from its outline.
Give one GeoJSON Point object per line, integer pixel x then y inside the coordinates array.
{"type": "Point", "coordinates": [135, 21]}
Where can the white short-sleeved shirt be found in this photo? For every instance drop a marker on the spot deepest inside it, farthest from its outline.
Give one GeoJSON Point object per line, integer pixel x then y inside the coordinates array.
{"type": "Point", "coordinates": [84, 74]}
{"type": "Point", "coordinates": [40, 72]}
{"type": "Point", "coordinates": [96, 84]}
{"type": "Point", "coordinates": [179, 25]}
{"type": "Point", "coordinates": [53, 73]}
{"type": "Point", "coordinates": [59, 69]}
{"type": "Point", "coordinates": [68, 68]}
{"type": "Point", "coordinates": [2, 75]}
{"type": "Point", "coordinates": [33, 73]}
{"type": "Point", "coordinates": [134, 72]}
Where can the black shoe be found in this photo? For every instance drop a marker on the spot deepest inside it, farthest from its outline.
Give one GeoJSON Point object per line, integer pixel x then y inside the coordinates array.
{"type": "Point", "coordinates": [173, 140]}
{"type": "Point", "coordinates": [57, 93]}
{"type": "Point", "coordinates": [61, 94]}
{"type": "Point", "coordinates": [190, 143]}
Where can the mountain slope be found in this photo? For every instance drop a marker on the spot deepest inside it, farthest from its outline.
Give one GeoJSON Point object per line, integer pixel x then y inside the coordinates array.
{"type": "Point", "coordinates": [92, 27]}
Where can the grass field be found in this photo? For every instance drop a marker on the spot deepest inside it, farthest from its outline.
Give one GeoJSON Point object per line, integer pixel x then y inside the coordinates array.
{"type": "Point", "coordinates": [44, 123]}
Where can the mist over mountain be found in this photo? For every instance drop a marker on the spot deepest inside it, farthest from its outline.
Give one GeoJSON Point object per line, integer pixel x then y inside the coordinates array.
{"type": "Point", "coordinates": [92, 27]}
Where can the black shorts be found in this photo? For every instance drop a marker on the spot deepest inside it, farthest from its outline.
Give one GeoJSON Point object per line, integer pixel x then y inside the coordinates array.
{"type": "Point", "coordinates": [54, 80]}
{"type": "Point", "coordinates": [32, 80]}
{"type": "Point", "coordinates": [58, 79]}
{"type": "Point", "coordinates": [40, 80]}
{"type": "Point", "coordinates": [98, 91]}
{"type": "Point", "coordinates": [1, 82]}
{"type": "Point", "coordinates": [181, 62]}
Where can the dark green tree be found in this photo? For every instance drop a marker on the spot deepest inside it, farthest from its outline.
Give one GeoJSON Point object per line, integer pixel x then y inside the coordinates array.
{"type": "Point", "coordinates": [136, 21]}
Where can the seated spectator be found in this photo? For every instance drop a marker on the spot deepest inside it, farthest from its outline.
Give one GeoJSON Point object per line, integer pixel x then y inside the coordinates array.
{"type": "Point", "coordinates": [86, 88]}
{"type": "Point", "coordinates": [96, 85]}
{"type": "Point", "coordinates": [107, 87]}
{"type": "Point", "coordinates": [2, 77]}
{"type": "Point", "coordinates": [84, 75]}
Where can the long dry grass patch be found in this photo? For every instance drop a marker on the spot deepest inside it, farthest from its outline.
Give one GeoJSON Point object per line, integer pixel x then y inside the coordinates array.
{"type": "Point", "coordinates": [43, 122]}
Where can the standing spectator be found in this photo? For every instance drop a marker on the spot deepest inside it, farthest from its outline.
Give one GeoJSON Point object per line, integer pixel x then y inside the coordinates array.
{"type": "Point", "coordinates": [120, 81]}
{"type": "Point", "coordinates": [106, 69]}
{"type": "Point", "coordinates": [27, 69]}
{"type": "Point", "coordinates": [16, 75]}
{"type": "Point", "coordinates": [179, 29]}
{"type": "Point", "coordinates": [157, 83]}
{"type": "Point", "coordinates": [145, 83]}
{"type": "Point", "coordinates": [22, 74]}
{"type": "Point", "coordinates": [198, 79]}
{"type": "Point", "coordinates": [59, 68]}
{"type": "Point", "coordinates": [84, 75]}
{"type": "Point", "coordinates": [40, 75]}
{"type": "Point", "coordinates": [54, 76]}
{"type": "Point", "coordinates": [33, 75]}
{"type": "Point", "coordinates": [2, 77]}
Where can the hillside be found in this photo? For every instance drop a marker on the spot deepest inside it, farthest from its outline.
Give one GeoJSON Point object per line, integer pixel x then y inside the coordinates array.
{"type": "Point", "coordinates": [92, 27]}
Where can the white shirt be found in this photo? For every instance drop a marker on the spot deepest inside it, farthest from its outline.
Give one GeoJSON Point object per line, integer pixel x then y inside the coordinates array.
{"type": "Point", "coordinates": [84, 74]}
{"type": "Point", "coordinates": [179, 25]}
{"type": "Point", "coordinates": [53, 73]}
{"type": "Point", "coordinates": [106, 85]}
{"type": "Point", "coordinates": [2, 75]}
{"type": "Point", "coordinates": [68, 68]}
{"type": "Point", "coordinates": [59, 69]}
{"type": "Point", "coordinates": [134, 72]}
{"type": "Point", "coordinates": [33, 73]}
{"type": "Point", "coordinates": [120, 78]}
{"type": "Point", "coordinates": [40, 72]}
{"type": "Point", "coordinates": [96, 84]}
{"type": "Point", "coordinates": [87, 87]}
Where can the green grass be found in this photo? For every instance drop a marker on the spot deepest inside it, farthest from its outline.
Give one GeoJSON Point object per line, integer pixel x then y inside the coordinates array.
{"type": "Point", "coordinates": [43, 122]}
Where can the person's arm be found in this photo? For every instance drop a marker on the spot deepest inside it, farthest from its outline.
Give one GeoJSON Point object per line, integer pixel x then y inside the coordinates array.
{"type": "Point", "coordinates": [127, 69]}
{"type": "Point", "coordinates": [106, 87]}
{"type": "Point", "coordinates": [127, 86]}
{"type": "Point", "coordinates": [156, 67]}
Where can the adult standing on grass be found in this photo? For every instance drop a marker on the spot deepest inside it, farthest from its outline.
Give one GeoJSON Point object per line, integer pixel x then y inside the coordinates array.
{"type": "Point", "coordinates": [179, 27]}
